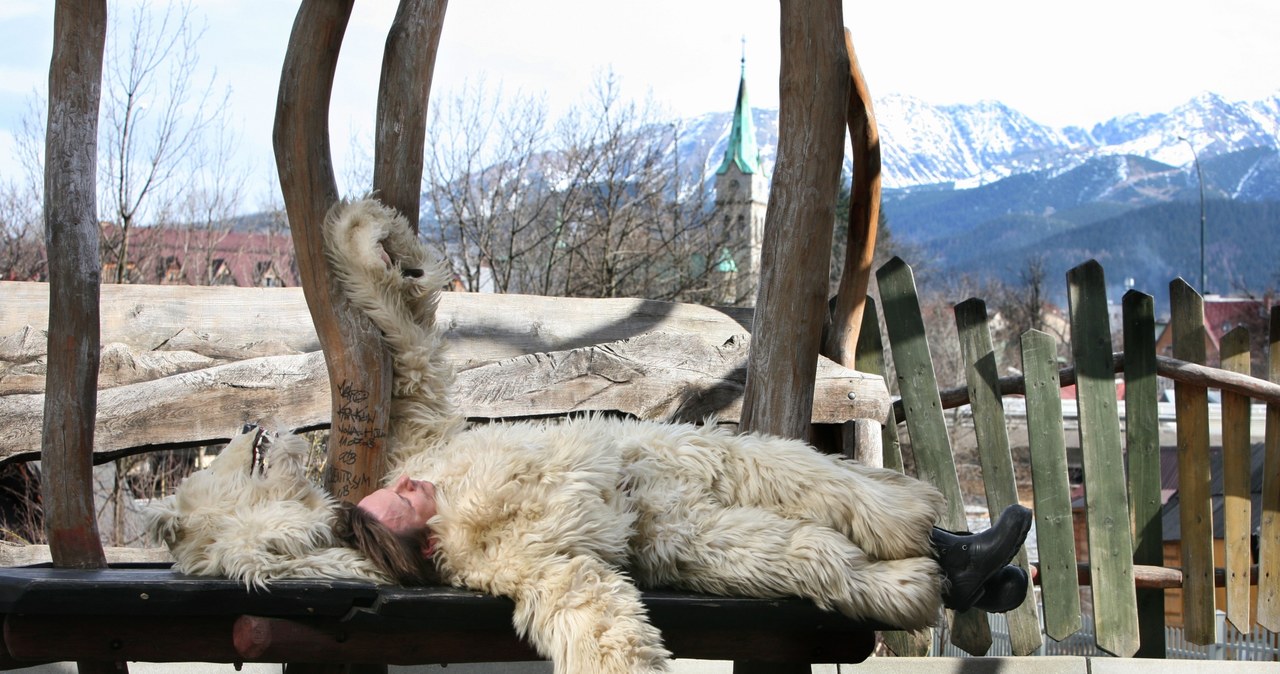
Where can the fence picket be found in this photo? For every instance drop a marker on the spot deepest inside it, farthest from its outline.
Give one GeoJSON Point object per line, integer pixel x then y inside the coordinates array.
{"type": "Point", "coordinates": [1268, 613]}
{"type": "Point", "coordinates": [930, 443]}
{"type": "Point", "coordinates": [1236, 524]}
{"type": "Point", "coordinates": [1142, 442]}
{"type": "Point", "coordinates": [1106, 504]}
{"type": "Point", "coordinates": [870, 359]}
{"type": "Point", "coordinates": [1055, 535]}
{"type": "Point", "coordinates": [1192, 405]}
{"type": "Point", "coordinates": [982, 376]}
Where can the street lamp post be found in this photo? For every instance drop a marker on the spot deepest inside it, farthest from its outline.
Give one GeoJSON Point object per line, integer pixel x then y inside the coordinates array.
{"type": "Point", "coordinates": [1195, 157]}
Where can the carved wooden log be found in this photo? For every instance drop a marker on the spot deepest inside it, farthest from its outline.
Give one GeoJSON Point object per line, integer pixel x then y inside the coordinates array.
{"type": "Point", "coordinates": [657, 375]}
{"type": "Point", "coordinates": [237, 323]}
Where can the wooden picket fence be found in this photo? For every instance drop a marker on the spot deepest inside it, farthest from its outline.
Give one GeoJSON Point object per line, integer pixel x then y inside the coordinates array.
{"type": "Point", "coordinates": [1123, 515]}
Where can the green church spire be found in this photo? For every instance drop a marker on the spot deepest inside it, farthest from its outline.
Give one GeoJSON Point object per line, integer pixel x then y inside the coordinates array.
{"type": "Point", "coordinates": [742, 150]}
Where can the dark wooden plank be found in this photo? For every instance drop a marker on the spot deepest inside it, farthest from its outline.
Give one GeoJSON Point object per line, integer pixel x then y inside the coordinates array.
{"type": "Point", "coordinates": [105, 639]}
{"type": "Point", "coordinates": [982, 374]}
{"type": "Point", "coordinates": [1236, 520]}
{"type": "Point", "coordinates": [1107, 508]}
{"type": "Point", "coordinates": [1055, 534]}
{"type": "Point", "coordinates": [930, 442]}
{"type": "Point", "coordinates": [159, 591]}
{"type": "Point", "coordinates": [1192, 410]}
{"type": "Point", "coordinates": [71, 233]}
{"type": "Point", "coordinates": [1268, 609]}
{"type": "Point", "coordinates": [791, 304]}
{"type": "Point", "coordinates": [1142, 441]}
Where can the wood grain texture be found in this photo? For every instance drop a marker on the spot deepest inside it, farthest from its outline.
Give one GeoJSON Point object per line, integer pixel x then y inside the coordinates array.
{"type": "Point", "coordinates": [1142, 442]}
{"type": "Point", "coordinates": [236, 323]}
{"type": "Point", "coordinates": [359, 367]}
{"type": "Point", "coordinates": [655, 376]}
{"type": "Point", "coordinates": [994, 452]}
{"type": "Point", "coordinates": [864, 216]}
{"type": "Point", "coordinates": [1192, 409]}
{"type": "Point", "coordinates": [1268, 608]}
{"type": "Point", "coordinates": [1055, 533]}
{"type": "Point", "coordinates": [791, 305]}
{"type": "Point", "coordinates": [400, 132]}
{"type": "Point", "coordinates": [1236, 521]}
{"type": "Point", "coordinates": [1106, 502]}
{"type": "Point", "coordinates": [71, 236]}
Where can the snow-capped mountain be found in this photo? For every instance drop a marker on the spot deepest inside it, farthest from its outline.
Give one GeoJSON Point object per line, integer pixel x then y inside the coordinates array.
{"type": "Point", "coordinates": [974, 144]}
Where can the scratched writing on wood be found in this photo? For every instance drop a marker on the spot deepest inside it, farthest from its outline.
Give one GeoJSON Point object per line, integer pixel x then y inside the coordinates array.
{"type": "Point", "coordinates": [356, 427]}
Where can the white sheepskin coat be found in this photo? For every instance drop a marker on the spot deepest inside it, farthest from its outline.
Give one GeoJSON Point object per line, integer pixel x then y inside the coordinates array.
{"type": "Point", "coordinates": [568, 518]}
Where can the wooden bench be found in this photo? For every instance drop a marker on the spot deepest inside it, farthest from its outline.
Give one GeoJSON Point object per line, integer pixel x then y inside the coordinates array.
{"type": "Point", "coordinates": [149, 613]}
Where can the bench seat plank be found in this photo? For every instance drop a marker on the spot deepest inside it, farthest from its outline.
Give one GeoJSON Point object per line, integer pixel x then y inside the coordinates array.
{"type": "Point", "coordinates": [114, 610]}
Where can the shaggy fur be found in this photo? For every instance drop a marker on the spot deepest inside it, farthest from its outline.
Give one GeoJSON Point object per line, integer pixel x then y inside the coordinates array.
{"type": "Point", "coordinates": [567, 519]}
{"type": "Point", "coordinates": [253, 515]}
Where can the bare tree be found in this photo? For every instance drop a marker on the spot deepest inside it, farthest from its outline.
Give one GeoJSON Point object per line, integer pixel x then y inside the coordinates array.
{"type": "Point", "coordinates": [153, 117]}
{"type": "Point", "coordinates": [596, 207]}
{"type": "Point", "coordinates": [627, 225]}
{"type": "Point", "coordinates": [203, 216]}
{"type": "Point", "coordinates": [491, 211]}
{"type": "Point", "coordinates": [22, 250]}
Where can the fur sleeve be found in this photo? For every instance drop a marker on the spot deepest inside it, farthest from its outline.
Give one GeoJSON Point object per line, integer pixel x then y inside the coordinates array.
{"type": "Point", "coordinates": [587, 618]}
{"type": "Point", "coordinates": [387, 273]}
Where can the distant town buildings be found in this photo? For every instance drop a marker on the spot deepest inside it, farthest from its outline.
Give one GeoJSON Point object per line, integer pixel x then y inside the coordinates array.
{"type": "Point", "coordinates": [194, 256]}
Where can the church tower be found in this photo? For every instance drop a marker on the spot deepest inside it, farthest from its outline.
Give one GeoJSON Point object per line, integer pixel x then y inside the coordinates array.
{"type": "Point", "coordinates": [742, 192]}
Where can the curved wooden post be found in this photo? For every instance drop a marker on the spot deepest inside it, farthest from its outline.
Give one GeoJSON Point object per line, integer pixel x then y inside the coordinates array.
{"type": "Point", "coordinates": [358, 365]}
{"type": "Point", "coordinates": [864, 216]}
{"type": "Point", "coordinates": [71, 235]}
{"type": "Point", "coordinates": [787, 327]}
{"type": "Point", "coordinates": [408, 62]}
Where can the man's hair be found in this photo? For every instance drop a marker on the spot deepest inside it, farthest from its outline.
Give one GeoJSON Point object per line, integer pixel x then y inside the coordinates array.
{"type": "Point", "coordinates": [397, 555]}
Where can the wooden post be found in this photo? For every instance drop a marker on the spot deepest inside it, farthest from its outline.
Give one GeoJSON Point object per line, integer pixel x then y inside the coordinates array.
{"type": "Point", "coordinates": [408, 62]}
{"type": "Point", "coordinates": [359, 367]}
{"type": "Point", "coordinates": [71, 235]}
{"type": "Point", "coordinates": [1237, 559]}
{"type": "Point", "coordinates": [791, 305]}
{"type": "Point", "coordinates": [1192, 408]}
{"type": "Point", "coordinates": [1268, 613]}
{"type": "Point", "coordinates": [864, 216]}
{"type": "Point", "coordinates": [71, 238]}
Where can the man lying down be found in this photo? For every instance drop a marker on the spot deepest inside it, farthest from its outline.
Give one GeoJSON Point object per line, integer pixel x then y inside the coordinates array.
{"type": "Point", "coordinates": [568, 519]}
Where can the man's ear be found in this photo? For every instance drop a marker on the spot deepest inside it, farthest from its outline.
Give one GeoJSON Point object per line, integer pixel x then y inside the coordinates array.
{"type": "Point", "coordinates": [427, 546]}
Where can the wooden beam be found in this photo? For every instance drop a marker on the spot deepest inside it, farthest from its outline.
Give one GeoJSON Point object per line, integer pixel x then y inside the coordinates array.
{"type": "Point", "coordinates": [864, 215]}
{"type": "Point", "coordinates": [358, 365]}
{"type": "Point", "coordinates": [1181, 371]}
{"type": "Point", "coordinates": [792, 300]}
{"type": "Point", "coordinates": [408, 61]}
{"type": "Point", "coordinates": [656, 375]}
{"type": "Point", "coordinates": [71, 231]}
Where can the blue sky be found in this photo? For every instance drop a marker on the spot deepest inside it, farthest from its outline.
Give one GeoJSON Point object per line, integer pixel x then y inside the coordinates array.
{"type": "Point", "coordinates": [1061, 63]}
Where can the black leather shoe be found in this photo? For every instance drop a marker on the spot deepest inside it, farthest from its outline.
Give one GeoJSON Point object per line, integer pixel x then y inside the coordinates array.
{"type": "Point", "coordinates": [1004, 591]}
{"type": "Point", "coordinates": [969, 560]}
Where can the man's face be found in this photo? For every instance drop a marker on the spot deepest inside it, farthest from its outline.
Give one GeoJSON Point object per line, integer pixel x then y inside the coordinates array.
{"type": "Point", "coordinates": [404, 507]}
